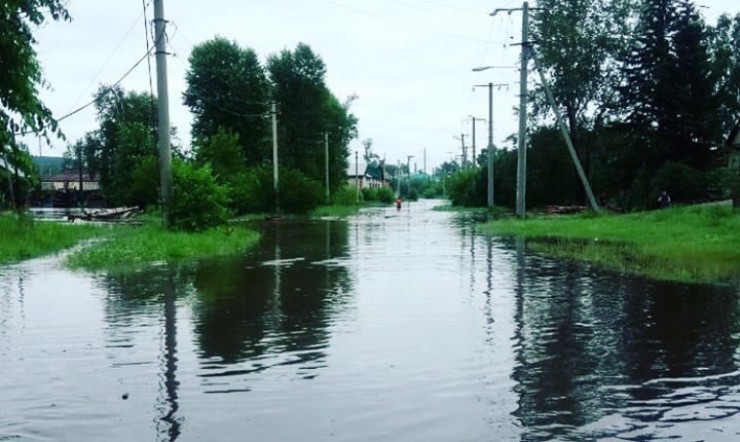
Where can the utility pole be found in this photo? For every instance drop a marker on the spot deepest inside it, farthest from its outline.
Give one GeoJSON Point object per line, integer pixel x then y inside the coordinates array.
{"type": "Point", "coordinates": [473, 119]}
{"type": "Point", "coordinates": [521, 176]}
{"type": "Point", "coordinates": [425, 161]}
{"type": "Point", "coordinates": [566, 136]}
{"type": "Point", "coordinates": [357, 177]}
{"type": "Point", "coordinates": [79, 171]}
{"type": "Point", "coordinates": [275, 171]}
{"type": "Point", "coordinates": [326, 164]}
{"type": "Point", "coordinates": [464, 156]}
{"type": "Point", "coordinates": [165, 157]}
{"type": "Point", "coordinates": [491, 148]}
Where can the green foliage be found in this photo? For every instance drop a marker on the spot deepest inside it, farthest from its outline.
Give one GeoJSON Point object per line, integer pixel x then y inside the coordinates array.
{"type": "Point", "coordinates": [298, 192]}
{"type": "Point", "coordinates": [22, 238]}
{"type": "Point", "coordinates": [382, 195]}
{"type": "Point", "coordinates": [132, 247]}
{"type": "Point", "coordinates": [340, 211]}
{"type": "Point", "coordinates": [464, 190]}
{"type": "Point", "coordinates": [228, 93]}
{"type": "Point", "coordinates": [198, 201]}
{"type": "Point", "coordinates": [345, 196]}
{"type": "Point", "coordinates": [307, 111]}
{"type": "Point", "coordinates": [253, 192]}
{"type": "Point", "coordinates": [144, 188]}
{"type": "Point", "coordinates": [683, 183]}
{"type": "Point", "coordinates": [21, 110]}
{"type": "Point", "coordinates": [698, 243]}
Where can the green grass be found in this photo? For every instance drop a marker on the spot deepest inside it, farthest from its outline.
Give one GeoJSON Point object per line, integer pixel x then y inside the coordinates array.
{"type": "Point", "coordinates": [132, 247]}
{"type": "Point", "coordinates": [495, 211]}
{"type": "Point", "coordinates": [22, 238]}
{"type": "Point", "coordinates": [692, 244]}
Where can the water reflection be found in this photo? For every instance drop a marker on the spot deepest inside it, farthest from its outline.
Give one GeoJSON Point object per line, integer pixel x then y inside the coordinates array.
{"type": "Point", "coordinates": [278, 300]}
{"type": "Point", "coordinates": [599, 355]}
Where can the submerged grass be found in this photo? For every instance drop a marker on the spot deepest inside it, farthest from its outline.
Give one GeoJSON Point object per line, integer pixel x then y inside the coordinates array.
{"type": "Point", "coordinates": [691, 244]}
{"type": "Point", "coordinates": [336, 210]}
{"type": "Point", "coordinates": [23, 238]}
{"type": "Point", "coordinates": [131, 247]}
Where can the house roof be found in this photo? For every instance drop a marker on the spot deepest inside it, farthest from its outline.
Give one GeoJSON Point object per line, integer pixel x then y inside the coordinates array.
{"type": "Point", "coordinates": [69, 176]}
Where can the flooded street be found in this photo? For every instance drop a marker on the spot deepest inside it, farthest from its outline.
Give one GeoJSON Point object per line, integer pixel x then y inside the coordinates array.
{"type": "Point", "coordinates": [391, 326]}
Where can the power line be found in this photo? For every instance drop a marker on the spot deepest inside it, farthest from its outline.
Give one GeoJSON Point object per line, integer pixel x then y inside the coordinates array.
{"type": "Point", "coordinates": [94, 100]}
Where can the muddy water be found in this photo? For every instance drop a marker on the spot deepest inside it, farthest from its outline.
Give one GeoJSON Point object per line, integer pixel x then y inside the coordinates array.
{"type": "Point", "coordinates": [392, 326]}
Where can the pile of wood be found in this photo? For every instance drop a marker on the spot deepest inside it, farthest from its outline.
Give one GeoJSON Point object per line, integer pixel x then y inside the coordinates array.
{"type": "Point", "coordinates": [118, 213]}
{"type": "Point", "coordinates": [564, 210]}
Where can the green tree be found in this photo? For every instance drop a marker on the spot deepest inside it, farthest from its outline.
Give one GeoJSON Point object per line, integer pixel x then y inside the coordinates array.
{"type": "Point", "coordinates": [227, 89]}
{"type": "Point", "coordinates": [307, 110]}
{"type": "Point", "coordinates": [21, 110]}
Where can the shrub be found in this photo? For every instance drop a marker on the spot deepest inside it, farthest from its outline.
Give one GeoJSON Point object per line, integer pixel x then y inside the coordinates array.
{"type": "Point", "coordinates": [682, 182]}
{"type": "Point", "coordinates": [298, 192]}
{"type": "Point", "coordinates": [463, 189]}
{"type": "Point", "coordinates": [198, 202]}
{"type": "Point", "coordinates": [346, 196]}
{"type": "Point", "coordinates": [253, 191]}
{"type": "Point", "coordinates": [385, 195]}
{"type": "Point", "coordinates": [144, 189]}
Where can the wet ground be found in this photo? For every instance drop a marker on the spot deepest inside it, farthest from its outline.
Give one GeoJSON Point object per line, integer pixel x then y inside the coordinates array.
{"type": "Point", "coordinates": [392, 326]}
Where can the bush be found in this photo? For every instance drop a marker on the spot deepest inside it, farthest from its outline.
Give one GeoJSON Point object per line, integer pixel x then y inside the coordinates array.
{"type": "Point", "coordinates": [198, 202]}
{"type": "Point", "coordinates": [144, 189]}
{"type": "Point", "coordinates": [252, 191]}
{"type": "Point", "coordinates": [346, 196]}
{"type": "Point", "coordinates": [385, 195]}
{"type": "Point", "coordinates": [682, 182]}
{"type": "Point", "coordinates": [298, 192]}
{"type": "Point", "coordinates": [463, 189]}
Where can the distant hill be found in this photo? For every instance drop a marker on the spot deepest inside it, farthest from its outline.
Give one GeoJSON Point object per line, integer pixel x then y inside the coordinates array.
{"type": "Point", "coordinates": [48, 165]}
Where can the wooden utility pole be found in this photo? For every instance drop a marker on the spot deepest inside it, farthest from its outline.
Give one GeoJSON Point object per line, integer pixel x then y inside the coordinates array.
{"type": "Point", "coordinates": [165, 157]}
{"type": "Point", "coordinates": [357, 177]}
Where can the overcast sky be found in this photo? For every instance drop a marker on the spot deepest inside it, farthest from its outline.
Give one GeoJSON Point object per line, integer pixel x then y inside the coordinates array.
{"type": "Point", "coordinates": [408, 61]}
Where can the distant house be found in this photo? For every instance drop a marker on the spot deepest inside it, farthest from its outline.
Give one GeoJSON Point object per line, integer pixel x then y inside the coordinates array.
{"type": "Point", "coordinates": [70, 181]}
{"type": "Point", "coordinates": [358, 173]}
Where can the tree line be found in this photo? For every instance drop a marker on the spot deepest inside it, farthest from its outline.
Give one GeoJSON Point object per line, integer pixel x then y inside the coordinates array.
{"type": "Point", "coordinates": [649, 92]}
{"type": "Point", "coordinates": [231, 94]}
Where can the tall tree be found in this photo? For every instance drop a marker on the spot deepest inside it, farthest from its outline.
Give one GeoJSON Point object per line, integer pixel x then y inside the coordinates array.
{"type": "Point", "coordinates": [227, 89]}
{"type": "Point", "coordinates": [307, 109]}
{"type": "Point", "coordinates": [21, 110]}
{"type": "Point", "coordinates": [669, 93]}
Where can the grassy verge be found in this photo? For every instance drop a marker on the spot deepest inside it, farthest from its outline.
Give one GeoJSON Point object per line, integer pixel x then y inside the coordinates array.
{"type": "Point", "coordinates": [22, 238]}
{"type": "Point", "coordinates": [336, 210]}
{"type": "Point", "coordinates": [495, 211]}
{"type": "Point", "coordinates": [130, 247]}
{"type": "Point", "coordinates": [692, 244]}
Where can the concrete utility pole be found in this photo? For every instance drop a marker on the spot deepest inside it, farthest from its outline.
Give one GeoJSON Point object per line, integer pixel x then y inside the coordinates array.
{"type": "Point", "coordinates": [473, 119]}
{"type": "Point", "coordinates": [165, 157]}
{"type": "Point", "coordinates": [566, 136]}
{"type": "Point", "coordinates": [326, 164]}
{"type": "Point", "coordinates": [275, 171]}
{"type": "Point", "coordinates": [357, 177]}
{"type": "Point", "coordinates": [425, 161]}
{"type": "Point", "coordinates": [464, 151]}
{"type": "Point", "coordinates": [521, 176]}
{"type": "Point", "coordinates": [491, 147]}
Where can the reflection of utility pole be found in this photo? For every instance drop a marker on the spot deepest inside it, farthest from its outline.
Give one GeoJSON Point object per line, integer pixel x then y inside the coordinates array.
{"type": "Point", "coordinates": [165, 157]}
{"type": "Point", "coordinates": [169, 361]}
{"type": "Point", "coordinates": [521, 176]}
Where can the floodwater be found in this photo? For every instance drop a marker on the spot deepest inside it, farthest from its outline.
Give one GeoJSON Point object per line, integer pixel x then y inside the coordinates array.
{"type": "Point", "coordinates": [391, 326]}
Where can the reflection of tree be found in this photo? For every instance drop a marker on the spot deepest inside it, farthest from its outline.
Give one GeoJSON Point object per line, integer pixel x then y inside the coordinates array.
{"type": "Point", "coordinates": [278, 299]}
{"type": "Point", "coordinates": [580, 332]}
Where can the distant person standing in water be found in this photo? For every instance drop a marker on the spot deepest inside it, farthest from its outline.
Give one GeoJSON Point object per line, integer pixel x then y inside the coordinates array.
{"type": "Point", "coordinates": [398, 203]}
{"type": "Point", "coordinates": [664, 200]}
